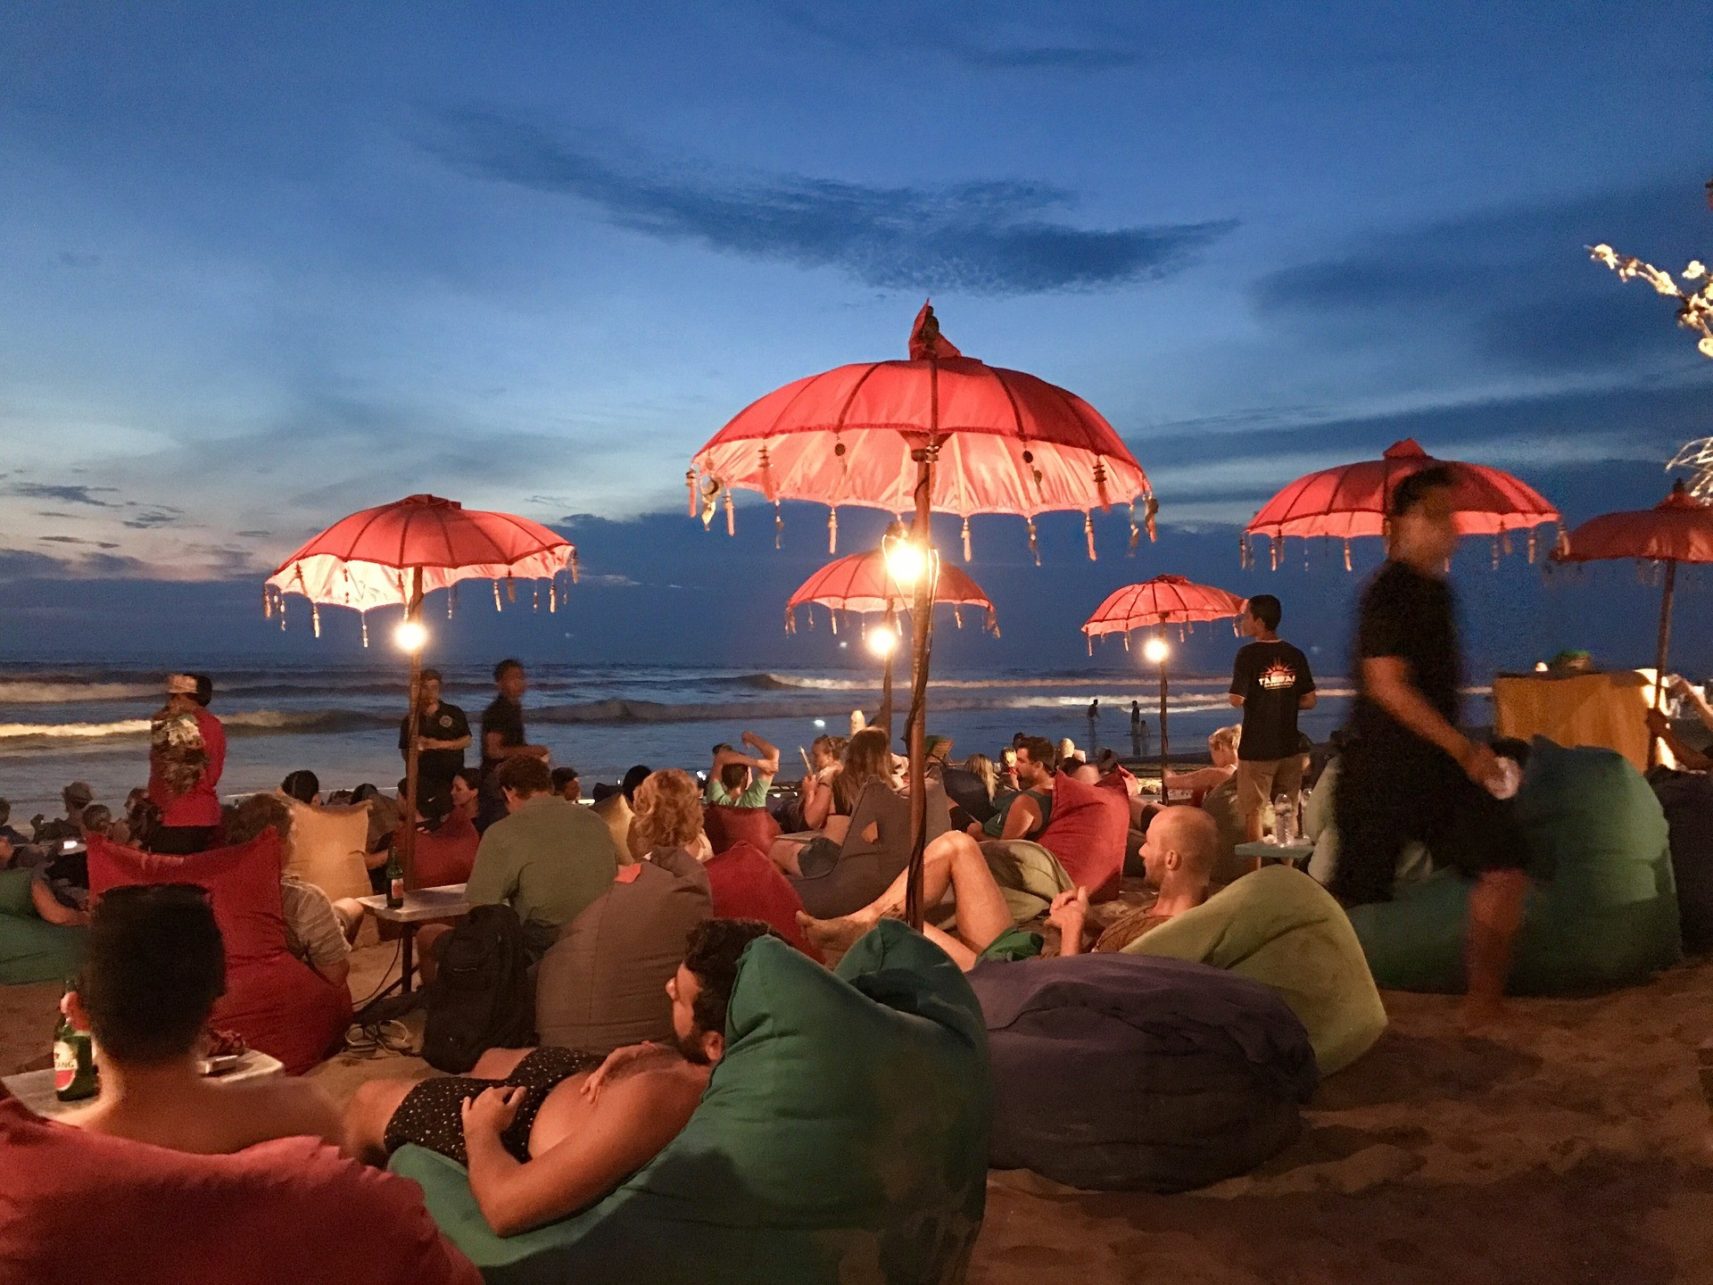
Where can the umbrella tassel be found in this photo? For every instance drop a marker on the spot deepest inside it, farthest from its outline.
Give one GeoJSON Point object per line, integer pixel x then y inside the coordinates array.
{"type": "Point", "coordinates": [862, 628]}
{"type": "Point", "coordinates": [535, 598]}
{"type": "Point", "coordinates": [576, 566]}
{"type": "Point", "coordinates": [1273, 554]}
{"type": "Point", "coordinates": [1100, 486]}
{"type": "Point", "coordinates": [511, 589]}
{"type": "Point", "coordinates": [1562, 544]}
{"type": "Point", "coordinates": [498, 605]}
{"type": "Point", "coordinates": [811, 614]}
{"type": "Point", "coordinates": [1245, 559]}
{"type": "Point", "coordinates": [1125, 636]}
{"type": "Point", "coordinates": [690, 483]}
{"type": "Point", "coordinates": [282, 614]}
{"type": "Point", "coordinates": [957, 616]}
{"type": "Point", "coordinates": [1306, 547]}
{"type": "Point", "coordinates": [552, 597]}
{"type": "Point", "coordinates": [1135, 533]}
{"type": "Point", "coordinates": [790, 622]}
{"type": "Point", "coordinates": [1151, 511]}
{"type": "Point", "coordinates": [832, 531]}
{"type": "Point", "coordinates": [364, 617]}
{"type": "Point", "coordinates": [1347, 555]}
{"type": "Point", "coordinates": [834, 617]}
{"type": "Point", "coordinates": [1089, 639]}
{"type": "Point", "coordinates": [992, 622]}
{"type": "Point", "coordinates": [451, 599]}
{"type": "Point", "coordinates": [966, 534]}
{"type": "Point", "coordinates": [766, 475]}
{"type": "Point", "coordinates": [315, 618]}
{"type": "Point", "coordinates": [1088, 534]}
{"type": "Point", "coordinates": [267, 605]}
{"type": "Point", "coordinates": [1034, 546]}
{"type": "Point", "coordinates": [778, 527]}
{"type": "Point", "coordinates": [1495, 553]}
{"type": "Point", "coordinates": [1505, 541]}
{"type": "Point", "coordinates": [731, 514]}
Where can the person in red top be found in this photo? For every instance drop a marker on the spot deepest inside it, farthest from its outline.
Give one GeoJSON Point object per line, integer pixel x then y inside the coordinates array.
{"type": "Point", "coordinates": [189, 812]}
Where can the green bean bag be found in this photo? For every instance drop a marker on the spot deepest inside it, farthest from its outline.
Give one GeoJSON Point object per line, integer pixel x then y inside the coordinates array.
{"type": "Point", "coordinates": [843, 1137]}
{"type": "Point", "coordinates": [1282, 929]}
{"type": "Point", "coordinates": [31, 949]}
{"type": "Point", "coordinates": [1601, 913]}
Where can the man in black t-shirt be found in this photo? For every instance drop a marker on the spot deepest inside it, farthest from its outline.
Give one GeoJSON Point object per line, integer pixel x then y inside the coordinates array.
{"type": "Point", "coordinates": [1408, 772]}
{"type": "Point", "coordinates": [442, 732]}
{"type": "Point", "coordinates": [1270, 682]}
{"type": "Point", "coordinates": [503, 738]}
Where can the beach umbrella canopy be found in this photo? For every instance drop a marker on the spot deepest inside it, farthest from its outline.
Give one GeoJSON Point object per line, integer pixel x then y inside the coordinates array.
{"type": "Point", "coordinates": [1351, 500]}
{"type": "Point", "coordinates": [860, 583]}
{"type": "Point", "coordinates": [1164, 600]}
{"type": "Point", "coordinates": [997, 441]}
{"type": "Point", "coordinates": [1678, 529]}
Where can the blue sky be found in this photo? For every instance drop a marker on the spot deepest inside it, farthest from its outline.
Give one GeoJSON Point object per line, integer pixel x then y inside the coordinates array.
{"type": "Point", "coordinates": [260, 266]}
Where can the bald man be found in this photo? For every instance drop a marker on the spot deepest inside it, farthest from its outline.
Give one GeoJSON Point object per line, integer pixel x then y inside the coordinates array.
{"type": "Point", "coordinates": [1178, 858]}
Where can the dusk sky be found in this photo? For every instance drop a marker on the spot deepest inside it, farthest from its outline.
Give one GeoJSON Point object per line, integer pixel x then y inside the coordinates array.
{"type": "Point", "coordinates": [264, 265]}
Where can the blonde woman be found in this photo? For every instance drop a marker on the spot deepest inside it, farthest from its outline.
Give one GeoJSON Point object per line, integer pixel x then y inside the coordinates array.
{"type": "Point", "coordinates": [1222, 747]}
{"type": "Point", "coordinates": [668, 816]}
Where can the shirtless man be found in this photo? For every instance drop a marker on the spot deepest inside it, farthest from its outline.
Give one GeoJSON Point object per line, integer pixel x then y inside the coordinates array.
{"type": "Point", "coordinates": [153, 967]}
{"type": "Point", "coordinates": [1025, 814]}
{"type": "Point", "coordinates": [546, 1132]}
{"type": "Point", "coordinates": [1178, 857]}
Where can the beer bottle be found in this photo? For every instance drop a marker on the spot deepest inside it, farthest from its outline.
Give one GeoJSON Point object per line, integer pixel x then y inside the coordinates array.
{"type": "Point", "coordinates": [74, 1058]}
{"type": "Point", "coordinates": [395, 880]}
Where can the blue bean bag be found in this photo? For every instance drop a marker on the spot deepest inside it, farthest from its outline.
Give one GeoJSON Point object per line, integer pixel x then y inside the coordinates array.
{"type": "Point", "coordinates": [1602, 911]}
{"type": "Point", "coordinates": [843, 1137]}
{"type": "Point", "coordinates": [31, 949]}
{"type": "Point", "coordinates": [1116, 1072]}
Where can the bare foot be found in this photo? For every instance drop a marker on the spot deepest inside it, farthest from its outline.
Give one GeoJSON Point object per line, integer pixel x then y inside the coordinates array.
{"type": "Point", "coordinates": [830, 935]}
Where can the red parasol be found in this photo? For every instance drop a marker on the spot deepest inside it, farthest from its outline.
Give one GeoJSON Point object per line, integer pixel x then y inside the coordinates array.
{"type": "Point", "coordinates": [1678, 529]}
{"type": "Point", "coordinates": [1154, 604]}
{"type": "Point", "coordinates": [939, 430]}
{"type": "Point", "coordinates": [394, 554]}
{"type": "Point", "coordinates": [1351, 501]}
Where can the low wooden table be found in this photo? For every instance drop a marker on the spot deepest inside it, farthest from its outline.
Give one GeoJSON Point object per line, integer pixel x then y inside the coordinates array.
{"type": "Point", "coordinates": [425, 905]}
{"type": "Point", "coordinates": [1264, 851]}
{"type": "Point", "coordinates": [35, 1089]}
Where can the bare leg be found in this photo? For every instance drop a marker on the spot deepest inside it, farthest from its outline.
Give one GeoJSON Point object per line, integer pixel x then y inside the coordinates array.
{"type": "Point", "coordinates": [961, 954]}
{"type": "Point", "coordinates": [367, 1116]}
{"type": "Point", "coordinates": [1252, 827]}
{"type": "Point", "coordinates": [952, 860]}
{"type": "Point", "coordinates": [1495, 916]}
{"type": "Point", "coordinates": [783, 854]}
{"type": "Point", "coordinates": [350, 914]}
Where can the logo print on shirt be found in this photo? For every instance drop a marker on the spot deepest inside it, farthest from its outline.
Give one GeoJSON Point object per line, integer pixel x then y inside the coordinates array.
{"type": "Point", "coordinates": [1277, 677]}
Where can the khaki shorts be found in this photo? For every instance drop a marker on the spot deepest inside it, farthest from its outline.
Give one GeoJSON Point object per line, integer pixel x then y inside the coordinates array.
{"type": "Point", "coordinates": [1260, 781]}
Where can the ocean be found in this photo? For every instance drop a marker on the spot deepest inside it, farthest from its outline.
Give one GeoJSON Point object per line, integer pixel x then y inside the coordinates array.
{"type": "Point", "coordinates": [60, 723]}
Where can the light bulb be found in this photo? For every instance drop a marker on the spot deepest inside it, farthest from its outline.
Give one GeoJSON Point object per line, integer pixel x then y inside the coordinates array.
{"type": "Point", "coordinates": [410, 635]}
{"type": "Point", "coordinates": [1156, 651]}
{"type": "Point", "coordinates": [906, 562]}
{"type": "Point", "coordinates": [882, 640]}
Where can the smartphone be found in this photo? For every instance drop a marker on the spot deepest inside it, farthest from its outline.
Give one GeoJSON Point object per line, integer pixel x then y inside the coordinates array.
{"type": "Point", "coordinates": [807, 766]}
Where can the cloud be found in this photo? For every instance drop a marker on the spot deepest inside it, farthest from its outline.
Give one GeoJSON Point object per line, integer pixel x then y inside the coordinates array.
{"type": "Point", "coordinates": [73, 259]}
{"type": "Point", "coordinates": [953, 39]}
{"type": "Point", "coordinates": [64, 494]}
{"type": "Point", "coordinates": [152, 518]}
{"type": "Point", "coordinates": [1000, 237]}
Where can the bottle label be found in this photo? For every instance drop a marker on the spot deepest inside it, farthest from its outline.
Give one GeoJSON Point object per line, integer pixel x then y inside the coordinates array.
{"type": "Point", "coordinates": [396, 891]}
{"type": "Point", "coordinates": [65, 1065]}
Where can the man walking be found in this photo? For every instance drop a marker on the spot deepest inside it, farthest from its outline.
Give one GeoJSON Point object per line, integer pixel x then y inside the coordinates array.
{"type": "Point", "coordinates": [1270, 683]}
{"type": "Point", "coordinates": [503, 738]}
{"type": "Point", "coordinates": [1408, 772]}
{"type": "Point", "coordinates": [442, 735]}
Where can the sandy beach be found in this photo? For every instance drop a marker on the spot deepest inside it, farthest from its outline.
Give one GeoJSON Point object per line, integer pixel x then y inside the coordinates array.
{"type": "Point", "coordinates": [1569, 1147]}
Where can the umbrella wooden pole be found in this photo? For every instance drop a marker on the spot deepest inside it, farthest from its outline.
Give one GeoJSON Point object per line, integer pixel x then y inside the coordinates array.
{"type": "Point", "coordinates": [407, 840]}
{"type": "Point", "coordinates": [885, 719]}
{"type": "Point", "coordinates": [1664, 650]}
{"type": "Point", "coordinates": [1162, 731]}
{"type": "Point", "coordinates": [921, 644]}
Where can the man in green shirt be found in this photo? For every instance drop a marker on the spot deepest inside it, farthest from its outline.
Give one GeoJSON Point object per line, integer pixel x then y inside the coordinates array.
{"type": "Point", "coordinates": [547, 858]}
{"type": "Point", "coordinates": [739, 780]}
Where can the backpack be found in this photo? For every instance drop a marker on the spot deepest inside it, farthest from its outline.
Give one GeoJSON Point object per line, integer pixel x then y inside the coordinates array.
{"type": "Point", "coordinates": [481, 997]}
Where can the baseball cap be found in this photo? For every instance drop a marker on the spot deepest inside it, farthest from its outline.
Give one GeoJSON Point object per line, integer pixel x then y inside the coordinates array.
{"type": "Point", "coordinates": [181, 685]}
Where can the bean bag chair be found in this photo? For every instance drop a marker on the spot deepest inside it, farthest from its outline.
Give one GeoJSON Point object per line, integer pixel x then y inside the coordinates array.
{"type": "Point", "coordinates": [1320, 829]}
{"type": "Point", "coordinates": [288, 1212]}
{"type": "Point", "coordinates": [728, 826]}
{"type": "Point", "coordinates": [864, 868]}
{"type": "Point", "coordinates": [31, 949]}
{"type": "Point", "coordinates": [1279, 927]}
{"type": "Point", "coordinates": [1601, 913]}
{"type": "Point", "coordinates": [1220, 803]}
{"type": "Point", "coordinates": [843, 1137]}
{"type": "Point", "coordinates": [445, 855]}
{"type": "Point", "coordinates": [1029, 877]}
{"type": "Point", "coordinates": [747, 885]}
{"type": "Point", "coordinates": [326, 847]}
{"type": "Point", "coordinates": [603, 983]}
{"type": "Point", "coordinates": [1119, 1072]}
{"type": "Point", "coordinates": [1087, 831]}
{"type": "Point", "coordinates": [1687, 799]}
{"type": "Point", "coordinates": [273, 999]}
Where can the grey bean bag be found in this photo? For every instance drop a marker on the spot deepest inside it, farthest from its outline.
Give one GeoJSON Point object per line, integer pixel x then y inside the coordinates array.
{"type": "Point", "coordinates": [1123, 1072]}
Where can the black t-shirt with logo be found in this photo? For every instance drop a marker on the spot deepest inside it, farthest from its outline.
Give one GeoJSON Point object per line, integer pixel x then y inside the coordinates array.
{"type": "Point", "coordinates": [505, 717]}
{"type": "Point", "coordinates": [1413, 617]}
{"type": "Point", "coordinates": [445, 723]}
{"type": "Point", "coordinates": [1271, 677]}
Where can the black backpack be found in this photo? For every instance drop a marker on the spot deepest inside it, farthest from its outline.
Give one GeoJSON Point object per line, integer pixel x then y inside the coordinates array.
{"type": "Point", "coordinates": [481, 996]}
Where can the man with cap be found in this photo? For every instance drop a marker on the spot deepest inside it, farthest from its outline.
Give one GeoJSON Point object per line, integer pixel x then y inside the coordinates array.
{"type": "Point", "coordinates": [77, 796]}
{"type": "Point", "coordinates": [189, 818]}
{"type": "Point", "coordinates": [442, 735]}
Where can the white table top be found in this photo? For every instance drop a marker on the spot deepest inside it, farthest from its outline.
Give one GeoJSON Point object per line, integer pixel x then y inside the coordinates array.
{"type": "Point", "coordinates": [35, 1089]}
{"type": "Point", "coordinates": [444, 902]}
{"type": "Point", "coordinates": [1267, 850]}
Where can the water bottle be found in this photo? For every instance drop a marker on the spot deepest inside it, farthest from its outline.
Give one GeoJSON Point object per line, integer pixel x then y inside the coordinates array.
{"type": "Point", "coordinates": [1284, 820]}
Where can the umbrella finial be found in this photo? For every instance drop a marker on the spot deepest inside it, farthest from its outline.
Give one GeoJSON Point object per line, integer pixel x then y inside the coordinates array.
{"type": "Point", "coordinates": [926, 341]}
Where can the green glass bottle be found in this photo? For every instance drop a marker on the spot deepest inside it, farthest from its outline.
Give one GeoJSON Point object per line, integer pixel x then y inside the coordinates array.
{"type": "Point", "coordinates": [74, 1059]}
{"type": "Point", "coordinates": [395, 880]}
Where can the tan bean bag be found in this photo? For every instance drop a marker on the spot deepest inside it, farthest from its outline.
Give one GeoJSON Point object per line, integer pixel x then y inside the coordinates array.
{"type": "Point", "coordinates": [326, 848]}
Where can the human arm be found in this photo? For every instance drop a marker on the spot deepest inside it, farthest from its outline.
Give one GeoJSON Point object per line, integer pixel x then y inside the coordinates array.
{"type": "Point", "coordinates": [1023, 819]}
{"type": "Point", "coordinates": [1235, 699]}
{"type": "Point", "coordinates": [633, 1121]}
{"type": "Point", "coordinates": [1307, 697]}
{"type": "Point", "coordinates": [1068, 913]}
{"type": "Point", "coordinates": [494, 747]}
{"type": "Point", "coordinates": [767, 754]}
{"type": "Point", "coordinates": [1387, 681]}
{"type": "Point", "coordinates": [1687, 757]}
{"type": "Point", "coordinates": [314, 931]}
{"type": "Point", "coordinates": [1689, 692]}
{"type": "Point", "coordinates": [817, 802]}
{"type": "Point", "coordinates": [49, 908]}
{"type": "Point", "coordinates": [1203, 778]}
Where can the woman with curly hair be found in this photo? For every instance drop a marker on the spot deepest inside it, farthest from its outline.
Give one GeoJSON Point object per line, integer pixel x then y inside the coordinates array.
{"type": "Point", "coordinates": [668, 816]}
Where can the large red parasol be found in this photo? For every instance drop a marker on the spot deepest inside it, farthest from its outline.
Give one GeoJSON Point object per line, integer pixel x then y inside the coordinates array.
{"type": "Point", "coordinates": [1154, 604]}
{"type": "Point", "coordinates": [1678, 529]}
{"type": "Point", "coordinates": [939, 430]}
{"type": "Point", "coordinates": [393, 555]}
{"type": "Point", "coordinates": [1351, 500]}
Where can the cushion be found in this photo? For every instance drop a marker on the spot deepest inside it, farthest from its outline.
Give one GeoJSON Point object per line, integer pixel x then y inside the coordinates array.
{"type": "Point", "coordinates": [276, 1001]}
{"type": "Point", "coordinates": [1087, 832]}
{"type": "Point", "coordinates": [866, 867]}
{"type": "Point", "coordinates": [443, 856]}
{"type": "Point", "coordinates": [1116, 1072]}
{"type": "Point", "coordinates": [1687, 799]}
{"type": "Point", "coordinates": [326, 847]}
{"type": "Point", "coordinates": [843, 1137]}
{"type": "Point", "coordinates": [1220, 803]}
{"type": "Point", "coordinates": [728, 826]}
{"type": "Point", "coordinates": [31, 949]}
{"type": "Point", "coordinates": [1601, 913]}
{"type": "Point", "coordinates": [1029, 876]}
{"type": "Point", "coordinates": [603, 983]}
{"type": "Point", "coordinates": [1282, 929]}
{"type": "Point", "coordinates": [747, 885]}
{"type": "Point", "coordinates": [288, 1212]}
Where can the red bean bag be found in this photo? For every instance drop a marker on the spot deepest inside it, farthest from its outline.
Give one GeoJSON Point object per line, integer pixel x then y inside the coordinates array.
{"type": "Point", "coordinates": [1088, 830]}
{"type": "Point", "coordinates": [286, 1212]}
{"type": "Point", "coordinates": [727, 827]}
{"type": "Point", "coordinates": [445, 855]}
{"type": "Point", "coordinates": [747, 885]}
{"type": "Point", "coordinates": [274, 1000]}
